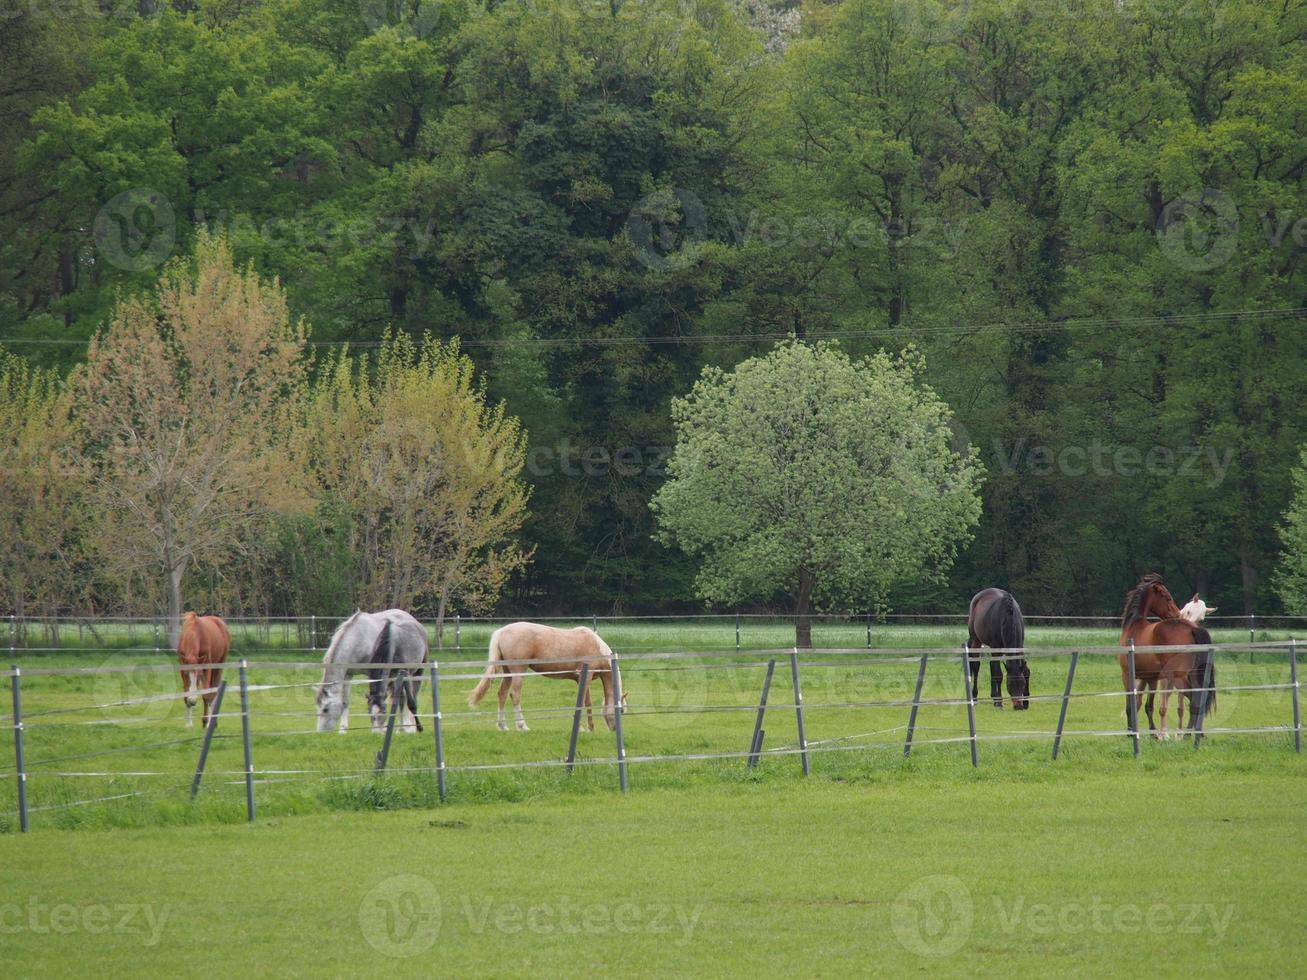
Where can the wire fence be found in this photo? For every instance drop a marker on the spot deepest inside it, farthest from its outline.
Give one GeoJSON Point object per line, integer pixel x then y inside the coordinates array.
{"type": "Point", "coordinates": [281, 699]}
{"type": "Point", "coordinates": [313, 632]}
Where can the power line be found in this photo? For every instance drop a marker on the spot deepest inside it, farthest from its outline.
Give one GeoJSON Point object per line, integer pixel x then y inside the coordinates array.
{"type": "Point", "coordinates": [942, 330]}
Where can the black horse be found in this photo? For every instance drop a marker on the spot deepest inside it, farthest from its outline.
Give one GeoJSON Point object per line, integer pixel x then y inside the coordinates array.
{"type": "Point", "coordinates": [383, 653]}
{"type": "Point", "coordinates": [995, 621]}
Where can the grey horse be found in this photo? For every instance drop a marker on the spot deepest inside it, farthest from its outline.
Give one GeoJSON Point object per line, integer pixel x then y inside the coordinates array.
{"type": "Point", "coordinates": [357, 647]}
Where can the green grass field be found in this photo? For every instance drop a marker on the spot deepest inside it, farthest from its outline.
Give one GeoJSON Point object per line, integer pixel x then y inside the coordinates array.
{"type": "Point", "coordinates": [1096, 863]}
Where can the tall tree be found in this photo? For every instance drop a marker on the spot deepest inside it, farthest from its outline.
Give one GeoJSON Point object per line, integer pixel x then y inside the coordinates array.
{"type": "Point", "coordinates": [183, 408]}
{"type": "Point", "coordinates": [806, 474]}
{"type": "Point", "coordinates": [427, 471]}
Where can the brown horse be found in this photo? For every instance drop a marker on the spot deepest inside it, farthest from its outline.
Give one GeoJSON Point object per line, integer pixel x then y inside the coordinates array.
{"type": "Point", "coordinates": [1176, 670]}
{"type": "Point", "coordinates": [995, 621]}
{"type": "Point", "coordinates": [204, 640]}
{"type": "Point", "coordinates": [549, 651]}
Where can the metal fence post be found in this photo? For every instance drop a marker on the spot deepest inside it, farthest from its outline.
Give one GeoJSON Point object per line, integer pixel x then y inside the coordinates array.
{"type": "Point", "coordinates": [971, 702]}
{"type": "Point", "coordinates": [1293, 680]}
{"type": "Point", "coordinates": [440, 734]}
{"type": "Point", "coordinates": [20, 776]}
{"type": "Point", "coordinates": [581, 687]}
{"type": "Point", "coordinates": [208, 739]}
{"type": "Point", "coordinates": [755, 743]}
{"type": "Point", "coordinates": [156, 635]}
{"type": "Point", "coordinates": [737, 631]}
{"type": "Point", "coordinates": [1131, 702]}
{"type": "Point", "coordinates": [245, 739]}
{"type": "Point", "coordinates": [1066, 696]}
{"type": "Point", "coordinates": [617, 723]}
{"type": "Point", "coordinates": [313, 633]}
{"type": "Point", "coordinates": [458, 632]}
{"type": "Point", "coordinates": [916, 703]}
{"type": "Point", "coordinates": [594, 623]}
{"type": "Point", "coordinates": [798, 711]}
{"type": "Point", "coordinates": [868, 631]}
{"type": "Point", "coordinates": [1252, 635]}
{"type": "Point", "coordinates": [13, 631]}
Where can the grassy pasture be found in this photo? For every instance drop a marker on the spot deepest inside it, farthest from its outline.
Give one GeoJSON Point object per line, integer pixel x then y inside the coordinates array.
{"type": "Point", "coordinates": [82, 745]}
{"type": "Point", "coordinates": [1095, 864]}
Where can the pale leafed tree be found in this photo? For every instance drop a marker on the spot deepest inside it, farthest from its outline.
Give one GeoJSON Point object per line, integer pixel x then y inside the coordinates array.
{"type": "Point", "coordinates": [183, 407]}
{"type": "Point", "coordinates": [41, 504]}
{"type": "Point", "coordinates": [428, 471]}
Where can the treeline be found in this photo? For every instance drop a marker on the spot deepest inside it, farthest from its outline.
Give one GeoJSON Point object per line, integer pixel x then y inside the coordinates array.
{"type": "Point", "coordinates": [1090, 216]}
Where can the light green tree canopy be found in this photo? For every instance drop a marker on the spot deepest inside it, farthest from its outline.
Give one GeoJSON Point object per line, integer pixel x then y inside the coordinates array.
{"type": "Point", "coordinates": [809, 474]}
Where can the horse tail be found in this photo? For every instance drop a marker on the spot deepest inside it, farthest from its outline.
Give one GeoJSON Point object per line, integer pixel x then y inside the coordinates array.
{"type": "Point", "coordinates": [483, 685]}
{"type": "Point", "coordinates": [1203, 675]}
{"type": "Point", "coordinates": [1011, 627]}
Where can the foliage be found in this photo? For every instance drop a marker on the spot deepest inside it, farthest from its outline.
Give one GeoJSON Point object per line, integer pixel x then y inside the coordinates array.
{"type": "Point", "coordinates": [182, 411]}
{"type": "Point", "coordinates": [1291, 575]}
{"type": "Point", "coordinates": [825, 479]}
{"type": "Point", "coordinates": [427, 470]}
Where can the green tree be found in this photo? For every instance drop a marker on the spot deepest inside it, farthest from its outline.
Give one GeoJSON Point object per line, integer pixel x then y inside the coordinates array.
{"type": "Point", "coordinates": [808, 474]}
{"type": "Point", "coordinates": [1291, 575]}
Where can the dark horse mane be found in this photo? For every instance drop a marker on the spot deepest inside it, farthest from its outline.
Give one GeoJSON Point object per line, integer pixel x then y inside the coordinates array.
{"type": "Point", "coordinates": [1134, 600]}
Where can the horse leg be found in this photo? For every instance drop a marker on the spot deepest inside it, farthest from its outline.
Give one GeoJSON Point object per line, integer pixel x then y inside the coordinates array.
{"type": "Point", "coordinates": [996, 681]}
{"type": "Point", "coordinates": [589, 714]}
{"type": "Point", "coordinates": [516, 692]}
{"type": "Point", "coordinates": [973, 665]}
{"type": "Point", "coordinates": [1164, 683]}
{"type": "Point", "coordinates": [504, 685]}
{"type": "Point", "coordinates": [1148, 705]}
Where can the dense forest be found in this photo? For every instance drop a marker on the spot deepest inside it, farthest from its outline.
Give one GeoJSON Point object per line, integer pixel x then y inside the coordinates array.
{"type": "Point", "coordinates": [1089, 216]}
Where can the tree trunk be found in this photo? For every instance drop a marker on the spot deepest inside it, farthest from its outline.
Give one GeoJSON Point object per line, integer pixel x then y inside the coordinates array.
{"type": "Point", "coordinates": [1248, 577]}
{"type": "Point", "coordinates": [803, 611]}
{"type": "Point", "coordinates": [175, 576]}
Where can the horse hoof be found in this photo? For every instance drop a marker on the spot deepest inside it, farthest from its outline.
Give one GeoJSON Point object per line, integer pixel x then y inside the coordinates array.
{"type": "Point", "coordinates": [501, 726]}
{"type": "Point", "coordinates": [998, 705]}
{"type": "Point", "coordinates": [523, 728]}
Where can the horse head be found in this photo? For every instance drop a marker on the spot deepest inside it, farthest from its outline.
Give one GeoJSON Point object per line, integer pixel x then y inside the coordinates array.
{"type": "Point", "coordinates": [1149, 598]}
{"type": "Point", "coordinates": [330, 708]}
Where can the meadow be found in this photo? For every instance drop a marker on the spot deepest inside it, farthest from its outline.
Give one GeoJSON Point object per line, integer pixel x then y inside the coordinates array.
{"type": "Point", "coordinates": [1096, 863]}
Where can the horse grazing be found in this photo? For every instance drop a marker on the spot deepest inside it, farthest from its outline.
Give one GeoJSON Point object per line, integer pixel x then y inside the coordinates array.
{"type": "Point", "coordinates": [363, 641]}
{"type": "Point", "coordinates": [380, 685]}
{"type": "Point", "coordinates": [204, 640]}
{"type": "Point", "coordinates": [549, 651]}
{"type": "Point", "coordinates": [994, 620]}
{"type": "Point", "coordinates": [1195, 610]}
{"type": "Point", "coordinates": [1173, 670]}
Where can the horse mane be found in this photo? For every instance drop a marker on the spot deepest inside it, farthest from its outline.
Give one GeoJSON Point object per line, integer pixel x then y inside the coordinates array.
{"type": "Point", "coordinates": [1134, 600]}
{"type": "Point", "coordinates": [330, 655]}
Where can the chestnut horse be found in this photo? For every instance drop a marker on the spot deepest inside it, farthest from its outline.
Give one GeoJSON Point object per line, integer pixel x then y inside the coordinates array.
{"type": "Point", "coordinates": [204, 640]}
{"type": "Point", "coordinates": [550, 651]}
{"type": "Point", "coordinates": [995, 621]}
{"type": "Point", "coordinates": [1183, 671]}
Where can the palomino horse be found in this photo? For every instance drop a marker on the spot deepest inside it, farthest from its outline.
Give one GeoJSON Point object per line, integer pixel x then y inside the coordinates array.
{"type": "Point", "coordinates": [203, 640]}
{"type": "Point", "coordinates": [550, 651]}
{"type": "Point", "coordinates": [1175, 670]}
{"type": "Point", "coordinates": [995, 621]}
{"type": "Point", "coordinates": [357, 646]}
